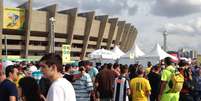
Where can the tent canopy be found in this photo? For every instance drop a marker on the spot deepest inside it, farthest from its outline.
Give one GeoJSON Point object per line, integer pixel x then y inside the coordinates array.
{"type": "Point", "coordinates": [118, 51]}
{"type": "Point", "coordinates": [158, 52]}
{"type": "Point", "coordinates": [134, 52]}
{"type": "Point", "coordinates": [102, 54]}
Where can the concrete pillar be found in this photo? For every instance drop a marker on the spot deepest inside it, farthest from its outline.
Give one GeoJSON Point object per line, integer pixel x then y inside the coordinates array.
{"type": "Point", "coordinates": [130, 38]}
{"type": "Point", "coordinates": [28, 14]}
{"type": "Point", "coordinates": [127, 38]}
{"type": "Point", "coordinates": [71, 23]}
{"type": "Point", "coordinates": [51, 13]}
{"type": "Point", "coordinates": [90, 18]}
{"type": "Point", "coordinates": [124, 36]}
{"type": "Point", "coordinates": [113, 22]}
{"type": "Point", "coordinates": [135, 36]}
{"type": "Point", "coordinates": [120, 30]}
{"type": "Point", "coordinates": [103, 20]}
{"type": "Point", "coordinates": [1, 27]}
{"type": "Point", "coordinates": [131, 41]}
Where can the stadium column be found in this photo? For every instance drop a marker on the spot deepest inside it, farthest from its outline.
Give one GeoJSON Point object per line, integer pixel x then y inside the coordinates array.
{"type": "Point", "coordinates": [124, 36]}
{"type": "Point", "coordinates": [28, 12]}
{"type": "Point", "coordinates": [131, 40]}
{"type": "Point", "coordinates": [103, 20]}
{"type": "Point", "coordinates": [120, 30]}
{"type": "Point", "coordinates": [113, 22]}
{"type": "Point", "coordinates": [71, 23]}
{"type": "Point", "coordinates": [90, 17]}
{"type": "Point", "coordinates": [127, 38]}
{"type": "Point", "coordinates": [1, 27]}
{"type": "Point", "coordinates": [130, 37]}
{"type": "Point", "coordinates": [51, 36]}
{"type": "Point", "coordinates": [135, 36]}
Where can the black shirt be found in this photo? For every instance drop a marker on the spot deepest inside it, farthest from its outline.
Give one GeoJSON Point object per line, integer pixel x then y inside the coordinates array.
{"type": "Point", "coordinates": [7, 89]}
{"type": "Point", "coordinates": [154, 80]}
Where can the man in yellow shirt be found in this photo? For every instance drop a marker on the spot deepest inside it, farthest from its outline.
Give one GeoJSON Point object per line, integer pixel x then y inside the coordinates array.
{"type": "Point", "coordinates": [148, 69]}
{"type": "Point", "coordinates": [140, 87]}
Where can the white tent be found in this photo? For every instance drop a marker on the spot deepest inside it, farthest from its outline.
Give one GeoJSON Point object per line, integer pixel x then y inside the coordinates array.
{"type": "Point", "coordinates": [118, 51]}
{"type": "Point", "coordinates": [134, 52]}
{"type": "Point", "coordinates": [160, 53]}
{"type": "Point", "coordinates": [130, 57]}
{"type": "Point", "coordinates": [102, 54]}
{"type": "Point", "coordinates": [154, 56]}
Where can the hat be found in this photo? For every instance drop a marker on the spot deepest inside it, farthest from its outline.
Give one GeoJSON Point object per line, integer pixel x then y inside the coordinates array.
{"type": "Point", "coordinates": [32, 69]}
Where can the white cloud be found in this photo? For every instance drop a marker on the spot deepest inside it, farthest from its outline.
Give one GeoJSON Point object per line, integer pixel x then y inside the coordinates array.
{"type": "Point", "coordinates": [192, 27]}
{"type": "Point", "coordinates": [174, 8]}
{"type": "Point", "coordinates": [111, 7]}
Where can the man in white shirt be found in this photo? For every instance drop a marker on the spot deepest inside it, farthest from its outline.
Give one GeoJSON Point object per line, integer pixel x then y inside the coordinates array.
{"type": "Point", "coordinates": [61, 89]}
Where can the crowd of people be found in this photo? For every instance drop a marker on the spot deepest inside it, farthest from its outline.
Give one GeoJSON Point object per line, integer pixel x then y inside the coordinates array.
{"type": "Point", "coordinates": [49, 80]}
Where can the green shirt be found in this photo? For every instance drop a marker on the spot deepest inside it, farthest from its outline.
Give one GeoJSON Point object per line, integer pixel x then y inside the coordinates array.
{"type": "Point", "coordinates": [166, 76]}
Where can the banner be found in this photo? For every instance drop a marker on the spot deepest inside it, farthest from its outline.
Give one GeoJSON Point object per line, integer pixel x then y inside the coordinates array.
{"type": "Point", "coordinates": [13, 18]}
{"type": "Point", "coordinates": [66, 49]}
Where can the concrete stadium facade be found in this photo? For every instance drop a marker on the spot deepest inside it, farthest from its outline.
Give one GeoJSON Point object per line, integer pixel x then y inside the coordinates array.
{"type": "Point", "coordinates": [85, 32]}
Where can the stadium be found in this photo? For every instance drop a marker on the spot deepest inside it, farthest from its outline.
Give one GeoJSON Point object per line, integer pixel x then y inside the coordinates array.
{"type": "Point", "coordinates": [30, 33]}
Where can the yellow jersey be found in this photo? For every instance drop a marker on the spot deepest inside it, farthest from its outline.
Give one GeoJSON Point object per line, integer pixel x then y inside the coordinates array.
{"type": "Point", "coordinates": [139, 88]}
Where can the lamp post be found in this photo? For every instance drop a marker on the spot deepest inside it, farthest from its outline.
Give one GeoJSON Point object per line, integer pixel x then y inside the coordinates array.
{"type": "Point", "coordinates": [52, 34]}
{"type": "Point", "coordinates": [165, 40]}
{"type": "Point", "coordinates": [5, 45]}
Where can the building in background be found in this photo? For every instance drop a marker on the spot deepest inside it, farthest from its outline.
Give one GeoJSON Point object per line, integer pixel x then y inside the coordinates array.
{"type": "Point", "coordinates": [31, 33]}
{"type": "Point", "coordinates": [188, 53]}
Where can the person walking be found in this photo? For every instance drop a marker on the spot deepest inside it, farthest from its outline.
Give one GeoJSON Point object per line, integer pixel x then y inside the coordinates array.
{"type": "Point", "coordinates": [140, 87]}
{"type": "Point", "coordinates": [60, 89]}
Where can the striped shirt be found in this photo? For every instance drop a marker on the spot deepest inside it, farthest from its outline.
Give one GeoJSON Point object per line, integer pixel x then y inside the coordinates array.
{"type": "Point", "coordinates": [120, 89]}
{"type": "Point", "coordinates": [83, 87]}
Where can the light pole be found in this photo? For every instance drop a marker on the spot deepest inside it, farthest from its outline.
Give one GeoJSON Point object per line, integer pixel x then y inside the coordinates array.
{"type": "Point", "coordinates": [165, 40]}
{"type": "Point", "coordinates": [52, 34]}
{"type": "Point", "coordinates": [5, 45]}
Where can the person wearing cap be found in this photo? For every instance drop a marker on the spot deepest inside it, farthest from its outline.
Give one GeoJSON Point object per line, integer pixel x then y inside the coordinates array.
{"type": "Point", "coordinates": [140, 87]}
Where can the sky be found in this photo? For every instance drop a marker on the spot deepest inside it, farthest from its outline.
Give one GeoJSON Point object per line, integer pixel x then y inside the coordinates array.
{"type": "Point", "coordinates": [181, 20]}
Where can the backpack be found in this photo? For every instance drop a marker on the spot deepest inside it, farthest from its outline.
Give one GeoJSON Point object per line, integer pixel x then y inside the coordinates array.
{"type": "Point", "coordinates": [176, 82]}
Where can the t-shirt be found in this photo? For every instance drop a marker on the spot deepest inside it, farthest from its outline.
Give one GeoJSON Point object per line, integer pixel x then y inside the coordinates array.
{"type": "Point", "coordinates": [7, 89]}
{"type": "Point", "coordinates": [93, 72]}
{"type": "Point", "coordinates": [154, 80]}
{"type": "Point", "coordinates": [166, 76]}
{"type": "Point", "coordinates": [83, 88]}
{"type": "Point", "coordinates": [120, 89]}
{"type": "Point", "coordinates": [147, 70]}
{"type": "Point", "coordinates": [139, 87]}
{"type": "Point", "coordinates": [61, 90]}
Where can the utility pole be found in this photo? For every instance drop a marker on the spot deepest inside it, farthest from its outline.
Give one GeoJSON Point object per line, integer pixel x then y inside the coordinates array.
{"type": "Point", "coordinates": [52, 34]}
{"type": "Point", "coordinates": [165, 40]}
